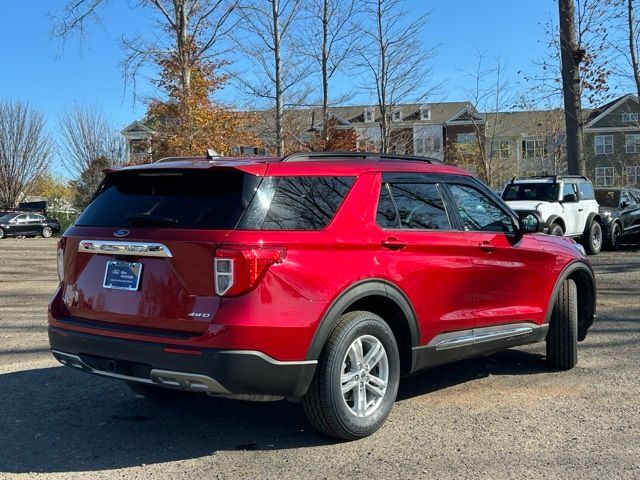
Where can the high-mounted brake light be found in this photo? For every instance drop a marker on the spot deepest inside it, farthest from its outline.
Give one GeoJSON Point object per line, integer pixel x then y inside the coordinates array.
{"type": "Point", "coordinates": [238, 270]}
{"type": "Point", "coordinates": [60, 259]}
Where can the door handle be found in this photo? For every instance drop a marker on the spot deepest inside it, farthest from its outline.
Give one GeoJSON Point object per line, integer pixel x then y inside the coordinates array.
{"type": "Point", "coordinates": [581, 209]}
{"type": "Point", "coordinates": [393, 243]}
{"type": "Point", "coordinates": [486, 246]}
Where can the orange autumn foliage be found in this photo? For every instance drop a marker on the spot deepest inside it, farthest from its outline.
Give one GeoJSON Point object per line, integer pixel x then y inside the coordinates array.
{"type": "Point", "coordinates": [190, 122]}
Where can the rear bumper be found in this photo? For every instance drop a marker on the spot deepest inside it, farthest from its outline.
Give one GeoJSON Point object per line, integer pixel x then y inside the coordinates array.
{"type": "Point", "coordinates": [213, 371]}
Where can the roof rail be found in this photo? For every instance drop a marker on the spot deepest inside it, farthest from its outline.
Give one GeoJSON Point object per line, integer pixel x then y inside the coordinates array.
{"type": "Point", "coordinates": [371, 156]}
{"type": "Point", "coordinates": [555, 177]}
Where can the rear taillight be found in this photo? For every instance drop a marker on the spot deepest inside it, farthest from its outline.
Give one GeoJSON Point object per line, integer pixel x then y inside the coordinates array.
{"type": "Point", "coordinates": [60, 259]}
{"type": "Point", "coordinates": [238, 270]}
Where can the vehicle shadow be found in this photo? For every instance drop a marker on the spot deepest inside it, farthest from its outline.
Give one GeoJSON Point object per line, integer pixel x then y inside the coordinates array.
{"type": "Point", "coordinates": [508, 362]}
{"type": "Point", "coordinates": [58, 420]}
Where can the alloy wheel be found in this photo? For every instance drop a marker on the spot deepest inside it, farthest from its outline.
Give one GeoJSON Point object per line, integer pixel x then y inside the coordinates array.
{"type": "Point", "coordinates": [365, 375]}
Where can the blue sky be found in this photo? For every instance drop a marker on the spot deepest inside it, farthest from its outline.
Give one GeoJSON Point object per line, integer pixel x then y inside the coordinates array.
{"type": "Point", "coordinates": [52, 77]}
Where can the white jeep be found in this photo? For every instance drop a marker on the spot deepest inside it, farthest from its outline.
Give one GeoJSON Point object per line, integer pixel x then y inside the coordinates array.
{"type": "Point", "coordinates": [566, 203]}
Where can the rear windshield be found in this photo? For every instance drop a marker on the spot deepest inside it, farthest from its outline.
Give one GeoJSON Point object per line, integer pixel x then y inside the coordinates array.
{"type": "Point", "coordinates": [608, 198]}
{"type": "Point", "coordinates": [171, 199]}
{"type": "Point", "coordinates": [545, 192]}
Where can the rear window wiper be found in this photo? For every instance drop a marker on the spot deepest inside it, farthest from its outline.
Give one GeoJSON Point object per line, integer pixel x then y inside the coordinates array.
{"type": "Point", "coordinates": [146, 219]}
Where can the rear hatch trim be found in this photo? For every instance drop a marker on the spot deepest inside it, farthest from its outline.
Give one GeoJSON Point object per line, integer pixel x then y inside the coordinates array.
{"type": "Point", "coordinates": [138, 249]}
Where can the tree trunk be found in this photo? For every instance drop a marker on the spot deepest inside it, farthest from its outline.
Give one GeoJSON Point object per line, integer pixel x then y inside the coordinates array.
{"type": "Point", "coordinates": [632, 45]}
{"type": "Point", "coordinates": [278, 77]}
{"type": "Point", "coordinates": [382, 87]}
{"type": "Point", "coordinates": [571, 57]}
{"type": "Point", "coordinates": [325, 77]}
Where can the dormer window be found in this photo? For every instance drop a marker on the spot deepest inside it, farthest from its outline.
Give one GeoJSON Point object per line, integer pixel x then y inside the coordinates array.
{"type": "Point", "coordinates": [425, 112]}
{"type": "Point", "coordinates": [368, 114]}
{"type": "Point", "coordinates": [396, 116]}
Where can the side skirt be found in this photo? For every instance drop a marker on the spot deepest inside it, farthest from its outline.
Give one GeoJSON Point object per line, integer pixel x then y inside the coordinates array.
{"type": "Point", "coordinates": [454, 346]}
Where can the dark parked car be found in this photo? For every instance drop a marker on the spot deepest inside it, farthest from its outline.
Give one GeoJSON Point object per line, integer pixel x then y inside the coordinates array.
{"type": "Point", "coordinates": [620, 211]}
{"type": "Point", "coordinates": [27, 225]}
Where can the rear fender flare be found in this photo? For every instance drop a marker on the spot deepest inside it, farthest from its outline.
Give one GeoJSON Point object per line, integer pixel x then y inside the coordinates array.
{"type": "Point", "coordinates": [355, 292]}
{"type": "Point", "coordinates": [556, 219]}
{"type": "Point", "coordinates": [592, 216]}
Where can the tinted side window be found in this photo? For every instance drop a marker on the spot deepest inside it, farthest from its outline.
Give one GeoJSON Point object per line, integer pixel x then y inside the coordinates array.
{"type": "Point", "coordinates": [478, 212]}
{"type": "Point", "coordinates": [387, 216]}
{"type": "Point", "coordinates": [306, 203]}
{"type": "Point", "coordinates": [627, 197]}
{"type": "Point", "coordinates": [586, 191]}
{"type": "Point", "coordinates": [568, 189]}
{"type": "Point", "coordinates": [417, 206]}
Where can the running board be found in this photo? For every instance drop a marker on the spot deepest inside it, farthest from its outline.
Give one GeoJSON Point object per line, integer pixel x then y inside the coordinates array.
{"type": "Point", "coordinates": [453, 346]}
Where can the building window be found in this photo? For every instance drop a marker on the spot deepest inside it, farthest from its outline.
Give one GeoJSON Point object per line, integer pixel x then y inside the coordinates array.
{"type": "Point", "coordinates": [399, 148]}
{"type": "Point", "coordinates": [501, 149]}
{"type": "Point", "coordinates": [632, 143]}
{"type": "Point", "coordinates": [629, 117]}
{"type": "Point", "coordinates": [633, 175]}
{"type": "Point", "coordinates": [369, 138]}
{"type": "Point", "coordinates": [368, 114]}
{"type": "Point", "coordinates": [396, 116]}
{"type": "Point", "coordinates": [604, 176]}
{"type": "Point", "coordinates": [534, 148]}
{"type": "Point", "coordinates": [466, 138]}
{"type": "Point", "coordinates": [427, 145]}
{"type": "Point", "coordinates": [307, 137]}
{"type": "Point", "coordinates": [603, 144]}
{"type": "Point", "coordinates": [425, 112]}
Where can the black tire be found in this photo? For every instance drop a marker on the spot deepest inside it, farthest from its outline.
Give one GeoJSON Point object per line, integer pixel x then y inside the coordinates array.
{"type": "Point", "coordinates": [562, 338]}
{"type": "Point", "coordinates": [612, 242]}
{"type": "Point", "coordinates": [556, 230]}
{"type": "Point", "coordinates": [325, 405]}
{"type": "Point", "coordinates": [46, 232]}
{"type": "Point", "coordinates": [1, 234]}
{"type": "Point", "coordinates": [156, 394]}
{"type": "Point", "coordinates": [592, 241]}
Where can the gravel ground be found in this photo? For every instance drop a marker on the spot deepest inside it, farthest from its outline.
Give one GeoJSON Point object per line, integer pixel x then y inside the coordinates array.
{"type": "Point", "coordinates": [503, 416]}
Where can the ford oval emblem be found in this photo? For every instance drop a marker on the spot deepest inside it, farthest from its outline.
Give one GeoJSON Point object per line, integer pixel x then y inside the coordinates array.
{"type": "Point", "coordinates": [121, 233]}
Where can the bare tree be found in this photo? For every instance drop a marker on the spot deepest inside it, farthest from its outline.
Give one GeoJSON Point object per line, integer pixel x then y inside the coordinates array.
{"type": "Point", "coordinates": [85, 136]}
{"type": "Point", "coordinates": [393, 58]}
{"type": "Point", "coordinates": [195, 31]}
{"type": "Point", "coordinates": [490, 95]}
{"type": "Point", "coordinates": [25, 150]}
{"type": "Point", "coordinates": [276, 76]}
{"type": "Point", "coordinates": [626, 43]}
{"type": "Point", "coordinates": [577, 67]}
{"type": "Point", "coordinates": [330, 41]}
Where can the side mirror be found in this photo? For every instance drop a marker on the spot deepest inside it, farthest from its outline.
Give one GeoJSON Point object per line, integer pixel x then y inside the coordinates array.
{"type": "Point", "coordinates": [531, 223]}
{"type": "Point", "coordinates": [570, 197]}
{"type": "Point", "coordinates": [624, 204]}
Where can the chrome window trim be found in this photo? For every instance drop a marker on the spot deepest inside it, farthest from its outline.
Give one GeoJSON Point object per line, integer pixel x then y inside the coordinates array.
{"type": "Point", "coordinates": [138, 249]}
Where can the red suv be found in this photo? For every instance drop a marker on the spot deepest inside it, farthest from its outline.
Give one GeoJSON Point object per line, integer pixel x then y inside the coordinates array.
{"type": "Point", "coordinates": [324, 277]}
